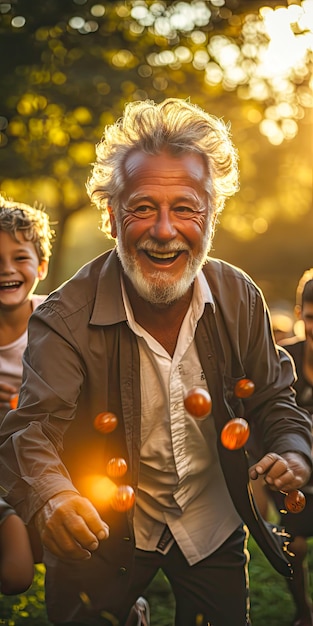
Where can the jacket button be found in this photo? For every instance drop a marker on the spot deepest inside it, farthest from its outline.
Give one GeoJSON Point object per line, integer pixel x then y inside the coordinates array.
{"type": "Point", "coordinates": [123, 570]}
{"type": "Point", "coordinates": [126, 538]}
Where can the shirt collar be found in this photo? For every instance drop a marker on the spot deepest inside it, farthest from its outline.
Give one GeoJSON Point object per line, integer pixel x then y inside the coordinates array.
{"type": "Point", "coordinates": [201, 295]}
{"type": "Point", "coordinates": [203, 288]}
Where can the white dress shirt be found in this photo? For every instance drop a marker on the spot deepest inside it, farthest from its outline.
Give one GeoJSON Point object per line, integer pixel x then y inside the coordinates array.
{"type": "Point", "coordinates": [181, 483]}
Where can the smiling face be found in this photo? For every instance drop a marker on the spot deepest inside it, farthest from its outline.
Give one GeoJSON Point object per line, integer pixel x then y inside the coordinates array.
{"type": "Point", "coordinates": [164, 223]}
{"type": "Point", "coordinates": [19, 270]}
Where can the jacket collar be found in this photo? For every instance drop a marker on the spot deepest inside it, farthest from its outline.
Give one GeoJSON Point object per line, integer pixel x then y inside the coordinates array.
{"type": "Point", "coordinates": [108, 304]}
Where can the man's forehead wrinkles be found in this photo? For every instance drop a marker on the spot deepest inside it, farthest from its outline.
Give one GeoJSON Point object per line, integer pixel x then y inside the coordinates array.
{"type": "Point", "coordinates": [139, 195]}
{"type": "Point", "coordinates": [173, 199]}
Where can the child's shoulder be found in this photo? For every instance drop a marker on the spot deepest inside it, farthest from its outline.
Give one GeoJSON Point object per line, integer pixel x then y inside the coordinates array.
{"type": "Point", "coordinates": [37, 299]}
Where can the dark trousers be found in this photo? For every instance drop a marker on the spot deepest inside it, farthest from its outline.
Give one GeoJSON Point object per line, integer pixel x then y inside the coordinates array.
{"type": "Point", "coordinates": [214, 591]}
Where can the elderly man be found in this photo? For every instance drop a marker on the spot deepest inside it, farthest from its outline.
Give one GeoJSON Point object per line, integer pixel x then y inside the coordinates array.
{"type": "Point", "coordinates": [129, 335]}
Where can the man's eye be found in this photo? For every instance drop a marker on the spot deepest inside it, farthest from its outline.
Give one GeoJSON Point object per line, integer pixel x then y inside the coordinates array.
{"type": "Point", "coordinates": [185, 212]}
{"type": "Point", "coordinates": [143, 208]}
{"type": "Point", "coordinates": [143, 211]}
{"type": "Point", "coordinates": [184, 209]}
{"type": "Point", "coordinates": [22, 258]}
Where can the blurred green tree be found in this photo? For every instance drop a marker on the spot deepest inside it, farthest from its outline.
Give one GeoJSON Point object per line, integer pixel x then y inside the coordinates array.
{"type": "Point", "coordinates": [67, 68]}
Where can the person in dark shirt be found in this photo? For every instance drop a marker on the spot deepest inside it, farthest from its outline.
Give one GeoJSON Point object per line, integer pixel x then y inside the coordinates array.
{"type": "Point", "coordinates": [301, 526]}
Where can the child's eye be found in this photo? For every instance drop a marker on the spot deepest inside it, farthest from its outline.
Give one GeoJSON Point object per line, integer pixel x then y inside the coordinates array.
{"type": "Point", "coordinates": [22, 258]}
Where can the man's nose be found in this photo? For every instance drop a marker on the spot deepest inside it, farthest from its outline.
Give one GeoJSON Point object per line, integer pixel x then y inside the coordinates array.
{"type": "Point", "coordinates": [163, 227]}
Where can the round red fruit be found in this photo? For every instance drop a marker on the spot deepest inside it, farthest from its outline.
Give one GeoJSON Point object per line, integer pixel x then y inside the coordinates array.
{"type": "Point", "coordinates": [198, 402]}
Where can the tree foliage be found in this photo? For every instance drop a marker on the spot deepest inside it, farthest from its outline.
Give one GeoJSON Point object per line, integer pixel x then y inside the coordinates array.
{"type": "Point", "coordinates": [67, 68]}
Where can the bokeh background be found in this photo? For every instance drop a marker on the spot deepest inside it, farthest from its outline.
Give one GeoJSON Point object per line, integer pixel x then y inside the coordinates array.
{"type": "Point", "coordinates": [67, 67]}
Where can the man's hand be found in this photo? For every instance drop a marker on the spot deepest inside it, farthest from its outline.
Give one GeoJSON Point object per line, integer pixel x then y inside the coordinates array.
{"type": "Point", "coordinates": [282, 473]}
{"type": "Point", "coordinates": [70, 527]}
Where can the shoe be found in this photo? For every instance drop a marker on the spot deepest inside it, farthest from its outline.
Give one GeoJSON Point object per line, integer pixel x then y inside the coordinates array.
{"type": "Point", "coordinates": [139, 614]}
{"type": "Point", "coordinates": [143, 611]}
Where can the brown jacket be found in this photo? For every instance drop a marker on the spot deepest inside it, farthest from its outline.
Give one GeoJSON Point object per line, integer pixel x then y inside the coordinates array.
{"type": "Point", "coordinates": [83, 359]}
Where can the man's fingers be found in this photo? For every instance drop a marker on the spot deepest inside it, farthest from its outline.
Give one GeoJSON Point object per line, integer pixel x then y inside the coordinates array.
{"type": "Point", "coordinates": [265, 464]}
{"type": "Point", "coordinates": [92, 520]}
{"type": "Point", "coordinates": [63, 545]}
{"type": "Point", "coordinates": [281, 473]}
{"type": "Point", "coordinates": [86, 529]}
{"type": "Point", "coordinates": [70, 527]}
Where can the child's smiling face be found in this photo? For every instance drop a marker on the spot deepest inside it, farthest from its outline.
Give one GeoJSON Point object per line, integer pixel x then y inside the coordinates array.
{"type": "Point", "coordinates": [20, 269]}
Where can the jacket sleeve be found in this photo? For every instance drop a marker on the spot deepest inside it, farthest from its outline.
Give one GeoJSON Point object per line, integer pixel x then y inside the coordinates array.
{"type": "Point", "coordinates": [248, 351]}
{"type": "Point", "coordinates": [31, 436]}
{"type": "Point", "coordinates": [273, 407]}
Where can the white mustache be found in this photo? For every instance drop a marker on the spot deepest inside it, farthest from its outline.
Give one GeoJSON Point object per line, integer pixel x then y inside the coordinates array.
{"type": "Point", "coordinates": [173, 246]}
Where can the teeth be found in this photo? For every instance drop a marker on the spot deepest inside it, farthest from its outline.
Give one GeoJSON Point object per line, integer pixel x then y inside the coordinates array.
{"type": "Point", "coordinates": [10, 284]}
{"type": "Point", "coordinates": [163, 255]}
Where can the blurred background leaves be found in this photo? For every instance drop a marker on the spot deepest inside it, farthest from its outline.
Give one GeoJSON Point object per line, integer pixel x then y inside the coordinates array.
{"type": "Point", "coordinates": [67, 68]}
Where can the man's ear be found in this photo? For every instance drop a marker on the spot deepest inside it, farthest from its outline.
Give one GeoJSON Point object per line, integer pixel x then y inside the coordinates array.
{"type": "Point", "coordinates": [43, 269]}
{"type": "Point", "coordinates": [112, 222]}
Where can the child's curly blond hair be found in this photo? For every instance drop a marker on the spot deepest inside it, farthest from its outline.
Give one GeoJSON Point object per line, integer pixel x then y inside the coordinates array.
{"type": "Point", "coordinates": [33, 222]}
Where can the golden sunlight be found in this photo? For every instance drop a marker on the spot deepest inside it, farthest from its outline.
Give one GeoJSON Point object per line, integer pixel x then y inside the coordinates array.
{"type": "Point", "coordinates": [284, 61]}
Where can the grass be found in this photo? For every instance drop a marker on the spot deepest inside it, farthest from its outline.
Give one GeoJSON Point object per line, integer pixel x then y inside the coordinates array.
{"type": "Point", "coordinates": [271, 603]}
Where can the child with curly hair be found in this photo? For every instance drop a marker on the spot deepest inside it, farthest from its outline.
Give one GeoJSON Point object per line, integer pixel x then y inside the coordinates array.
{"type": "Point", "coordinates": [25, 248]}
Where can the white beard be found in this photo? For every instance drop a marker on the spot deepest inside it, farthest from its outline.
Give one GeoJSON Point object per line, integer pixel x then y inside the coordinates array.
{"type": "Point", "coordinates": [159, 288]}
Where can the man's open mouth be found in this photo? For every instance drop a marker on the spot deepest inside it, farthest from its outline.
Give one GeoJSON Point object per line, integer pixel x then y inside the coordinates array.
{"type": "Point", "coordinates": [163, 257]}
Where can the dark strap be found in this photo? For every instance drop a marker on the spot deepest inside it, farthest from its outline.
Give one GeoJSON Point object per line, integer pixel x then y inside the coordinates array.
{"type": "Point", "coordinates": [272, 541]}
